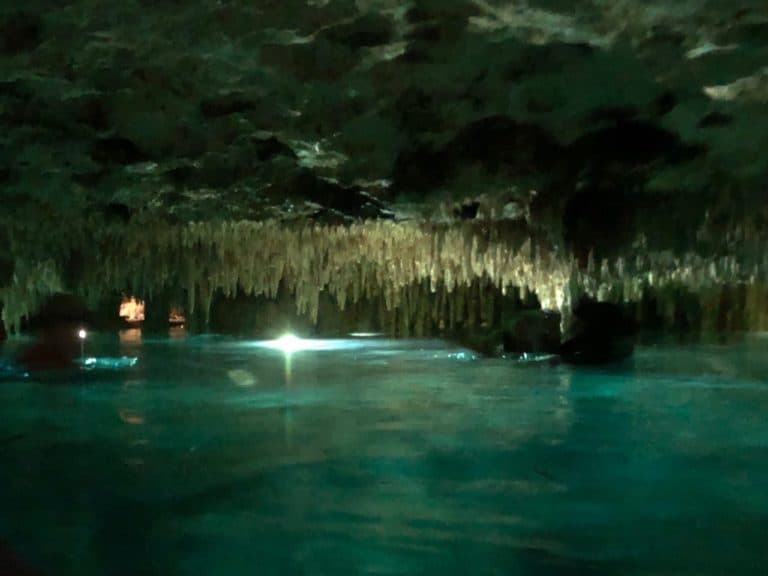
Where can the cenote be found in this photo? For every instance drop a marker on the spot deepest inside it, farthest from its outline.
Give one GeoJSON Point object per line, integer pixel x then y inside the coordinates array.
{"type": "Point", "coordinates": [217, 455]}
{"type": "Point", "coordinates": [329, 287]}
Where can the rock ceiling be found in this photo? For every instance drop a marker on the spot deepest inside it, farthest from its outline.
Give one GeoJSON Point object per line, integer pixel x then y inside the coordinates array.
{"type": "Point", "coordinates": [239, 107]}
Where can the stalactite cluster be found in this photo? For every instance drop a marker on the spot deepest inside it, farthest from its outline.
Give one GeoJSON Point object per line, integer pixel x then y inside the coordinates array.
{"type": "Point", "coordinates": [32, 284]}
{"type": "Point", "coordinates": [348, 262]}
{"type": "Point", "coordinates": [394, 261]}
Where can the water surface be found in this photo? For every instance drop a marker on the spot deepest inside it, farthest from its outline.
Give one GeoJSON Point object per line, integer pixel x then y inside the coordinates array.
{"type": "Point", "coordinates": [218, 456]}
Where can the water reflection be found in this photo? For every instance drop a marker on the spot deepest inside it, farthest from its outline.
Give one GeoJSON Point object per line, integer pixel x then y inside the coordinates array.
{"type": "Point", "coordinates": [178, 331]}
{"type": "Point", "coordinates": [130, 336]}
{"type": "Point", "coordinates": [131, 417]}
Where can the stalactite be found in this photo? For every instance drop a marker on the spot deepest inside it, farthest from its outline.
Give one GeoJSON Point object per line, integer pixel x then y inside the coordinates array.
{"type": "Point", "coordinates": [32, 283]}
{"type": "Point", "coordinates": [425, 273]}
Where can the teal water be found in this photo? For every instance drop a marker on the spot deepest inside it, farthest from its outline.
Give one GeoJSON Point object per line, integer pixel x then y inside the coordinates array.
{"type": "Point", "coordinates": [216, 456]}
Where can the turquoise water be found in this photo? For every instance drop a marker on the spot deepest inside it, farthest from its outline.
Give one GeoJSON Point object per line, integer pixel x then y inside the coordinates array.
{"type": "Point", "coordinates": [217, 456]}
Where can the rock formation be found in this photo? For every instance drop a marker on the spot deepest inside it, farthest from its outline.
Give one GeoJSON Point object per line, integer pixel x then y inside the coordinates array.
{"type": "Point", "coordinates": [428, 159]}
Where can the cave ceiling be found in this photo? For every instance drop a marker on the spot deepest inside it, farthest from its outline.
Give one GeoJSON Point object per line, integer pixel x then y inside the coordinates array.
{"type": "Point", "coordinates": [349, 109]}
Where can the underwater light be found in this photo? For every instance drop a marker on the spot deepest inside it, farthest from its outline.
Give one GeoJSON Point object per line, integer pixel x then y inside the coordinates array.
{"type": "Point", "coordinates": [82, 334]}
{"type": "Point", "coordinates": [109, 363]}
{"type": "Point", "coordinates": [289, 343]}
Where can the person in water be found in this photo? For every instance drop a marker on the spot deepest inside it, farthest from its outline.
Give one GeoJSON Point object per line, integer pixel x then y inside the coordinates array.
{"type": "Point", "coordinates": [57, 348]}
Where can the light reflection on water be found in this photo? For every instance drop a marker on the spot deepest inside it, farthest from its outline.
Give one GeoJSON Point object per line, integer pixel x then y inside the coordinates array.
{"type": "Point", "coordinates": [214, 455]}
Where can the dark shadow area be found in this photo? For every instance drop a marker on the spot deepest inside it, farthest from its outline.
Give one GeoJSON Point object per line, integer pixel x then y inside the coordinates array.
{"type": "Point", "coordinates": [602, 333]}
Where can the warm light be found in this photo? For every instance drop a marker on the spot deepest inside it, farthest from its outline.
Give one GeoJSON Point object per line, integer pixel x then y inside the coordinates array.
{"type": "Point", "coordinates": [132, 310]}
{"type": "Point", "coordinates": [130, 336]}
{"type": "Point", "coordinates": [82, 334]}
{"type": "Point", "coordinates": [176, 315]}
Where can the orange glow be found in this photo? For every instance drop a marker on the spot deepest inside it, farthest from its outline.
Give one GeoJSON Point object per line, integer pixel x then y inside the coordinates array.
{"type": "Point", "coordinates": [130, 336]}
{"type": "Point", "coordinates": [176, 315]}
{"type": "Point", "coordinates": [132, 310]}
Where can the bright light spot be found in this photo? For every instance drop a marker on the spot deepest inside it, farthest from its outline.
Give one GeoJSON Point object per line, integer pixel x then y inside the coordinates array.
{"type": "Point", "coordinates": [82, 334]}
{"type": "Point", "coordinates": [289, 343]}
{"type": "Point", "coordinates": [366, 334]}
{"type": "Point", "coordinates": [132, 310]}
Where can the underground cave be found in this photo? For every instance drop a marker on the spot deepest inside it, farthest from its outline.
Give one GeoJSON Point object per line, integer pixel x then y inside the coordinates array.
{"type": "Point", "coordinates": [377, 286]}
